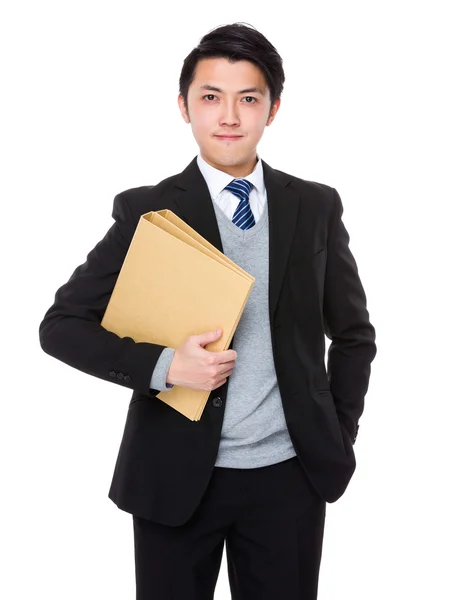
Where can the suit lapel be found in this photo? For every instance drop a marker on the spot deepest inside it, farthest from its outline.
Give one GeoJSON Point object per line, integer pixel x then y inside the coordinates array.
{"type": "Point", "coordinates": [283, 207]}
{"type": "Point", "coordinates": [196, 209]}
{"type": "Point", "coordinates": [194, 202]}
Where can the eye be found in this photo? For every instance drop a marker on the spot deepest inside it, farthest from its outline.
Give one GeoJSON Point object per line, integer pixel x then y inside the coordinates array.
{"type": "Point", "coordinates": [251, 98]}
{"type": "Point", "coordinates": [209, 97]}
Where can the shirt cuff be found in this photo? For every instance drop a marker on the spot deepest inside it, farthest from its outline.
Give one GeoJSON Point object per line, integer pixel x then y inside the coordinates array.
{"type": "Point", "coordinates": [159, 376]}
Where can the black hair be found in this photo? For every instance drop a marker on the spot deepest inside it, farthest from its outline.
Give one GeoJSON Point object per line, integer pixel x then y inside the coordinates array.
{"type": "Point", "coordinates": [239, 41]}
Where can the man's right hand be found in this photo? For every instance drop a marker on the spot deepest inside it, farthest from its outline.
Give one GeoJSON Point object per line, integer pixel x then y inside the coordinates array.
{"type": "Point", "coordinates": [198, 369]}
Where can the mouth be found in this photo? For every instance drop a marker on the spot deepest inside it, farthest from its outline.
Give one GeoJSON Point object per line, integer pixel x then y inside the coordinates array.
{"type": "Point", "coordinates": [228, 138]}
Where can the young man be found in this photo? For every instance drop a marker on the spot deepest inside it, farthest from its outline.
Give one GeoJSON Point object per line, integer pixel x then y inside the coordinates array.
{"type": "Point", "coordinates": [275, 441]}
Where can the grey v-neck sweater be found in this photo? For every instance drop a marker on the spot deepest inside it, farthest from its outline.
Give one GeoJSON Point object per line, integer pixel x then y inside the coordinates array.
{"type": "Point", "coordinates": [254, 432]}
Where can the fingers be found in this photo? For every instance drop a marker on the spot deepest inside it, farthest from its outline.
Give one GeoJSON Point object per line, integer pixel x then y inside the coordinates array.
{"type": "Point", "coordinates": [223, 357]}
{"type": "Point", "coordinates": [227, 372]}
{"type": "Point", "coordinates": [204, 338]}
{"type": "Point", "coordinates": [220, 375]}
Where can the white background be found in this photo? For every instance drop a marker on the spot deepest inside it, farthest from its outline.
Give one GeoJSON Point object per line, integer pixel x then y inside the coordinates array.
{"type": "Point", "coordinates": [89, 109]}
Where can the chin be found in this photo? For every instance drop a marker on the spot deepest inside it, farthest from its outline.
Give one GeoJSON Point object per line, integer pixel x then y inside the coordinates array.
{"type": "Point", "coordinates": [227, 159]}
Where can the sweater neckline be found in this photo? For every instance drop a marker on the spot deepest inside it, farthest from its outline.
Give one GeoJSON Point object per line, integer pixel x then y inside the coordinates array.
{"type": "Point", "coordinates": [243, 234]}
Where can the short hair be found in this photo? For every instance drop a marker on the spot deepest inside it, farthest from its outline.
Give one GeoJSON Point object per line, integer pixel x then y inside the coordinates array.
{"type": "Point", "coordinates": [239, 41]}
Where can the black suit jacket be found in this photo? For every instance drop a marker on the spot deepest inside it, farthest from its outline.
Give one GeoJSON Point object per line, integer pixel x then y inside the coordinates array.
{"type": "Point", "coordinates": [165, 460]}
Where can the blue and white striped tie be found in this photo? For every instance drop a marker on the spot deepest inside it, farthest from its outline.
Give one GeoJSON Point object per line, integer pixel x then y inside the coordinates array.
{"type": "Point", "coordinates": [243, 216]}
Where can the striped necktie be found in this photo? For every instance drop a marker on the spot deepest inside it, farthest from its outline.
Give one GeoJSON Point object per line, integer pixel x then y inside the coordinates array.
{"type": "Point", "coordinates": [243, 216]}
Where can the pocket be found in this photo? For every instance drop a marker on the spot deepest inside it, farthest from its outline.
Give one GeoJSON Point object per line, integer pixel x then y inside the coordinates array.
{"type": "Point", "coordinates": [347, 441]}
{"type": "Point", "coordinates": [344, 435]}
{"type": "Point", "coordinates": [307, 257]}
{"type": "Point", "coordinates": [329, 406]}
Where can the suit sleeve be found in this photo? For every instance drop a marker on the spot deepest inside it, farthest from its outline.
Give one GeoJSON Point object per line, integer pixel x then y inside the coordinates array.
{"type": "Point", "coordinates": [71, 329]}
{"type": "Point", "coordinates": [347, 325]}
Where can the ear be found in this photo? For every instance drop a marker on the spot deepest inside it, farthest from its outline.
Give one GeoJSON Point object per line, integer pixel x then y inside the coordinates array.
{"type": "Point", "coordinates": [273, 112]}
{"type": "Point", "coordinates": [183, 109]}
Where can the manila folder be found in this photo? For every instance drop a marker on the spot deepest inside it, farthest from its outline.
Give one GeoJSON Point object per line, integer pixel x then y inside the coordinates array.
{"type": "Point", "coordinates": [173, 283]}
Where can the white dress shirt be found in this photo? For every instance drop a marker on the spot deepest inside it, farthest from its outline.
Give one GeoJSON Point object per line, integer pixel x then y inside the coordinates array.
{"type": "Point", "coordinates": [217, 180]}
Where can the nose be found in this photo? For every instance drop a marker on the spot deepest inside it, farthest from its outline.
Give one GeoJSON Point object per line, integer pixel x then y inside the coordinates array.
{"type": "Point", "coordinates": [229, 115]}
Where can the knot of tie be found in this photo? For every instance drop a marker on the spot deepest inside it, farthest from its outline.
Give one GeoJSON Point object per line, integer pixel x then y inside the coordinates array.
{"type": "Point", "coordinates": [243, 216]}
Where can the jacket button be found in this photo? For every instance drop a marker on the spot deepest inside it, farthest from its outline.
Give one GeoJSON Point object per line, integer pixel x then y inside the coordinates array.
{"type": "Point", "coordinates": [127, 378]}
{"type": "Point", "coordinates": [112, 373]}
{"type": "Point", "coordinates": [217, 402]}
{"type": "Point", "coordinates": [119, 376]}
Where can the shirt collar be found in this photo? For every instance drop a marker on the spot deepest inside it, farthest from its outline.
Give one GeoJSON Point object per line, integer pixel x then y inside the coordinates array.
{"type": "Point", "coordinates": [217, 180]}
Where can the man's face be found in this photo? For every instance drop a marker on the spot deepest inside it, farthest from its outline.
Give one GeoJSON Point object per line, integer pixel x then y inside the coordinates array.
{"type": "Point", "coordinates": [228, 107]}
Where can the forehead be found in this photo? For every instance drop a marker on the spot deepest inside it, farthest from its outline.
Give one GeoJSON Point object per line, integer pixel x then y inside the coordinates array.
{"type": "Point", "coordinates": [228, 76]}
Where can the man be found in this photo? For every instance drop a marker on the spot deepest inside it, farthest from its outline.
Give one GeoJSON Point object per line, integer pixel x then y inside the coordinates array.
{"type": "Point", "coordinates": [275, 440]}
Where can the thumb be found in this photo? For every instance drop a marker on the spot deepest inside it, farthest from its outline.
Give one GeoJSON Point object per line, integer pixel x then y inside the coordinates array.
{"type": "Point", "coordinates": [210, 336]}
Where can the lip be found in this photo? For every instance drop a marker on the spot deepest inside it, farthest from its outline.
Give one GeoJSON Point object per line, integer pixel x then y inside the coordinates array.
{"type": "Point", "coordinates": [228, 138]}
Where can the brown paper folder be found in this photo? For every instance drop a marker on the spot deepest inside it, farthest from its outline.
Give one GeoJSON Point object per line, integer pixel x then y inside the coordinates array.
{"type": "Point", "coordinates": [173, 284]}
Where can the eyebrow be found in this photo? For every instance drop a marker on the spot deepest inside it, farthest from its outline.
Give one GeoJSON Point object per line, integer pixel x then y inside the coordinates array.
{"type": "Point", "coordinates": [254, 90]}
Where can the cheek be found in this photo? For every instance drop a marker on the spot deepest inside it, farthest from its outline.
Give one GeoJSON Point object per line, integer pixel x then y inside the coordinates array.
{"type": "Point", "coordinates": [255, 123]}
{"type": "Point", "coordinates": [202, 121]}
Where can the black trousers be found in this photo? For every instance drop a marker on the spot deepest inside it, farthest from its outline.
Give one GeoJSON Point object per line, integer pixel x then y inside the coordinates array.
{"type": "Point", "coordinates": [272, 520]}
